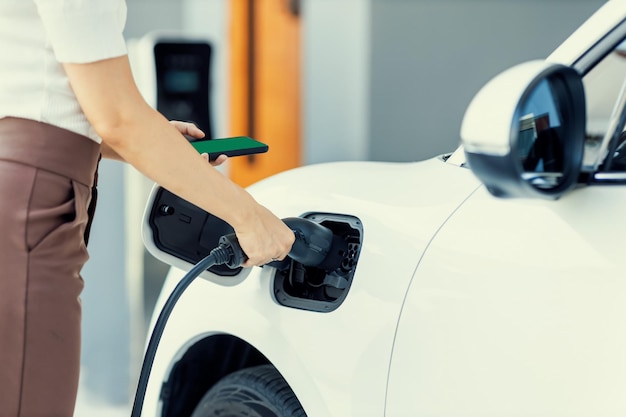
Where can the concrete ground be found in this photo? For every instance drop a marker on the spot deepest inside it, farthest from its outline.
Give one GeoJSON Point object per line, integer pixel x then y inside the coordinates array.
{"type": "Point", "coordinates": [89, 405]}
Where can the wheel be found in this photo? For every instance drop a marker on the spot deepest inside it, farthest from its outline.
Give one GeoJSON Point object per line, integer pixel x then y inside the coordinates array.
{"type": "Point", "coordinates": [253, 392]}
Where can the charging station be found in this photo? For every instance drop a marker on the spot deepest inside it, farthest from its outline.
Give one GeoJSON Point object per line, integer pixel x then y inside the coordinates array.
{"type": "Point", "coordinates": [173, 73]}
{"type": "Point", "coordinates": [182, 80]}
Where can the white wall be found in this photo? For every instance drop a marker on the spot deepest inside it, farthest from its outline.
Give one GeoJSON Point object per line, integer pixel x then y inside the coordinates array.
{"type": "Point", "coordinates": [390, 80]}
{"type": "Point", "coordinates": [336, 73]}
{"type": "Point", "coordinates": [429, 58]}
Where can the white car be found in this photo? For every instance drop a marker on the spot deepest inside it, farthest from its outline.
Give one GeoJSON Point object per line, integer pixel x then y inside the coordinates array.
{"type": "Point", "coordinates": [487, 282]}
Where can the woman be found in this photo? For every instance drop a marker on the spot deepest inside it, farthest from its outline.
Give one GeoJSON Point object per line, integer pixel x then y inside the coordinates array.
{"type": "Point", "coordinates": [67, 97]}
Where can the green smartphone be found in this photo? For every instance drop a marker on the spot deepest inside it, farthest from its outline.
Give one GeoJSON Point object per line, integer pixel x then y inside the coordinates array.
{"type": "Point", "coordinates": [235, 146]}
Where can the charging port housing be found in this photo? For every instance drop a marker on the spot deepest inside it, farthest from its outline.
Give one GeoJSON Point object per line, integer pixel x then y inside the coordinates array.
{"type": "Point", "coordinates": [185, 231]}
{"type": "Point", "coordinates": [180, 230]}
{"type": "Point", "coordinates": [316, 289]}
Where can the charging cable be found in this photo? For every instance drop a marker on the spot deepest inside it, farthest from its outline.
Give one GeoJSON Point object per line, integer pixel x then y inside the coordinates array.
{"type": "Point", "coordinates": [312, 246]}
{"type": "Point", "coordinates": [228, 252]}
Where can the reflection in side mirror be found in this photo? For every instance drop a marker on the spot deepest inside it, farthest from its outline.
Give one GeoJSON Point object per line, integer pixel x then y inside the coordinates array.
{"type": "Point", "coordinates": [541, 153]}
{"type": "Point", "coordinates": [539, 143]}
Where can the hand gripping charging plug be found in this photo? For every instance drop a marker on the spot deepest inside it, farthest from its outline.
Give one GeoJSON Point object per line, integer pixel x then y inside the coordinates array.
{"type": "Point", "coordinates": [314, 245]}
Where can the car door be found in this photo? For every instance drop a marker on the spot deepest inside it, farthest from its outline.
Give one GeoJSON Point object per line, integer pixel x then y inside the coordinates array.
{"type": "Point", "coordinates": [518, 307]}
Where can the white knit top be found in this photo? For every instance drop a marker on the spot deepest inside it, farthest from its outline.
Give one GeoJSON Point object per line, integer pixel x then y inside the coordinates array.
{"type": "Point", "coordinates": [35, 37]}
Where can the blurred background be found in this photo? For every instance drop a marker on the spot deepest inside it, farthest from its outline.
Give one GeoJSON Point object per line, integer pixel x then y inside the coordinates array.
{"type": "Point", "coordinates": [318, 81]}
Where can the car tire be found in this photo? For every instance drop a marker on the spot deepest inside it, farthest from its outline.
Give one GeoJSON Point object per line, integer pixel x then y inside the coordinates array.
{"type": "Point", "coordinates": [252, 392]}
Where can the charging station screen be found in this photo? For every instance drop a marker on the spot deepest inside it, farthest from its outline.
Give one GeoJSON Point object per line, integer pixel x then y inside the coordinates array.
{"type": "Point", "coordinates": [181, 81]}
{"type": "Point", "coordinates": [182, 78]}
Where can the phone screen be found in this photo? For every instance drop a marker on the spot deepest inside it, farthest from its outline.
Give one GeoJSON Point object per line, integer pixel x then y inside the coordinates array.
{"type": "Point", "coordinates": [236, 146]}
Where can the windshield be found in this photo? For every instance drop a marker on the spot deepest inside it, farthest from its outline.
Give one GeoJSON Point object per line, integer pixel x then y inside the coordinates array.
{"type": "Point", "coordinates": [603, 86]}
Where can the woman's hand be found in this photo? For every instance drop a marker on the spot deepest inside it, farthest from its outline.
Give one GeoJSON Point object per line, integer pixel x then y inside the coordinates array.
{"type": "Point", "coordinates": [191, 130]}
{"type": "Point", "coordinates": [264, 237]}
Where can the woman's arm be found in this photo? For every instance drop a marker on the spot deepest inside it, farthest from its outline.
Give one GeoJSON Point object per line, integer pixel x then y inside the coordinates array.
{"type": "Point", "coordinates": [141, 136]}
{"type": "Point", "coordinates": [185, 128]}
{"type": "Point", "coordinates": [108, 152]}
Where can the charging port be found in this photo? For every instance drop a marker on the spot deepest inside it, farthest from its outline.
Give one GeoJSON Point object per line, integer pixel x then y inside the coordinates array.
{"type": "Point", "coordinates": [317, 289]}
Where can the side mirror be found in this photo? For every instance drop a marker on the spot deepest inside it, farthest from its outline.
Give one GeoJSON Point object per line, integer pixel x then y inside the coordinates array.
{"type": "Point", "coordinates": [523, 133]}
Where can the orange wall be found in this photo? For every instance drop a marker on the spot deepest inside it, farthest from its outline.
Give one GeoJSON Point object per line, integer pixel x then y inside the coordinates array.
{"type": "Point", "coordinates": [274, 93]}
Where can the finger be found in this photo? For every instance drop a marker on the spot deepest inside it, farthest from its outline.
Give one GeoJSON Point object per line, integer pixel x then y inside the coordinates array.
{"type": "Point", "coordinates": [219, 161]}
{"type": "Point", "coordinates": [188, 128]}
{"type": "Point", "coordinates": [255, 261]}
{"type": "Point", "coordinates": [249, 263]}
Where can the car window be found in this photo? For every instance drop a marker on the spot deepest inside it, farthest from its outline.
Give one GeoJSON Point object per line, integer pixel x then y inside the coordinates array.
{"type": "Point", "coordinates": [603, 85]}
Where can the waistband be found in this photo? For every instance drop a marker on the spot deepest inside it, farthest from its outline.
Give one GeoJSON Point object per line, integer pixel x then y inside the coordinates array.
{"type": "Point", "coordinates": [50, 148]}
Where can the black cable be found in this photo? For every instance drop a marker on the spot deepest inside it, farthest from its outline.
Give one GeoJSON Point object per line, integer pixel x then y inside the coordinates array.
{"type": "Point", "coordinates": [218, 256]}
{"type": "Point", "coordinates": [313, 242]}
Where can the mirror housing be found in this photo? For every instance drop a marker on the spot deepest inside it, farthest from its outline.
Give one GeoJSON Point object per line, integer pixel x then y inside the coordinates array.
{"type": "Point", "coordinates": [523, 133]}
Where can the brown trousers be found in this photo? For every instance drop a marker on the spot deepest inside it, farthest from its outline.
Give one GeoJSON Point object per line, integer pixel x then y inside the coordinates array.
{"type": "Point", "coordinates": [46, 184]}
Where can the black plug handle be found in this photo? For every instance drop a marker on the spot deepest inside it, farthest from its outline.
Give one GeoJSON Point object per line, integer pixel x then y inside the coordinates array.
{"type": "Point", "coordinates": [313, 241]}
{"type": "Point", "coordinates": [310, 248]}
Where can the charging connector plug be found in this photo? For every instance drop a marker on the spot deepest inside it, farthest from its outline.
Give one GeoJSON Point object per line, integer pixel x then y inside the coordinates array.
{"type": "Point", "coordinates": [316, 245]}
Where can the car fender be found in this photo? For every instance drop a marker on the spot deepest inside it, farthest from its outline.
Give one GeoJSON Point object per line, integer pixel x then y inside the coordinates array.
{"type": "Point", "coordinates": [336, 362]}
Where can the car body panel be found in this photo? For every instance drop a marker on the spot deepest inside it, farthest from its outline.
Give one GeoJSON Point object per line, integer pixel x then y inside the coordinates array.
{"type": "Point", "coordinates": [517, 309]}
{"type": "Point", "coordinates": [322, 354]}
